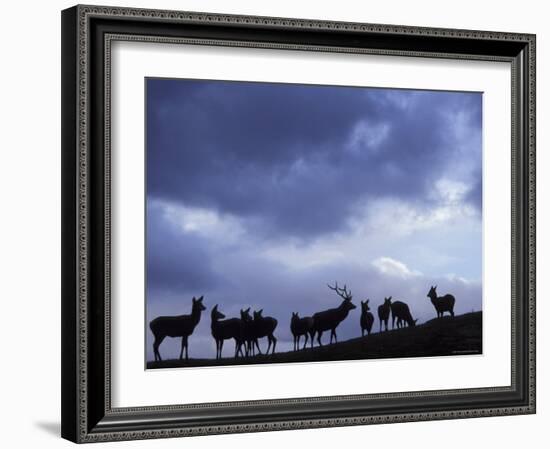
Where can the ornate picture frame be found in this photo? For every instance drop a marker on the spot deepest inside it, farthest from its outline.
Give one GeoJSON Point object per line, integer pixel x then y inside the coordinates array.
{"type": "Point", "coordinates": [87, 35]}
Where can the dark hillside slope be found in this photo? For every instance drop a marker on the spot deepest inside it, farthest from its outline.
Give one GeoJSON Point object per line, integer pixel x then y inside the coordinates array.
{"type": "Point", "coordinates": [437, 337]}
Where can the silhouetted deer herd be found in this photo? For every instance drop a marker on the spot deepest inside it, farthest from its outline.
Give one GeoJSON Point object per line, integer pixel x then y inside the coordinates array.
{"type": "Point", "coordinates": [247, 330]}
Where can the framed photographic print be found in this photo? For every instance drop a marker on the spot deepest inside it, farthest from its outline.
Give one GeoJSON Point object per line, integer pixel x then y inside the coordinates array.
{"type": "Point", "coordinates": [277, 223]}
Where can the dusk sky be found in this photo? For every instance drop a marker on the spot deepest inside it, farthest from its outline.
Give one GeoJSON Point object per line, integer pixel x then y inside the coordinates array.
{"type": "Point", "coordinates": [259, 194]}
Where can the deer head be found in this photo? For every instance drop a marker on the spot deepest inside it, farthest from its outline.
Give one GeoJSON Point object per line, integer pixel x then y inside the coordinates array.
{"type": "Point", "coordinates": [387, 301]}
{"type": "Point", "coordinates": [344, 294]}
{"type": "Point", "coordinates": [216, 314]}
{"type": "Point", "coordinates": [432, 293]}
{"type": "Point", "coordinates": [258, 314]}
{"type": "Point", "coordinates": [198, 305]}
{"type": "Point", "coordinates": [245, 315]}
{"type": "Point", "coordinates": [365, 305]}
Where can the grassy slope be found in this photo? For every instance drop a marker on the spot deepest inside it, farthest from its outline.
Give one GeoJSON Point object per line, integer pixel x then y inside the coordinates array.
{"type": "Point", "coordinates": [438, 337]}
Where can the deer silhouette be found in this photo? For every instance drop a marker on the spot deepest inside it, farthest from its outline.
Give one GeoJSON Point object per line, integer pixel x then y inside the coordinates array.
{"type": "Point", "coordinates": [222, 330]}
{"type": "Point", "coordinates": [384, 312]}
{"type": "Point", "coordinates": [176, 326]}
{"type": "Point", "coordinates": [367, 318]}
{"type": "Point", "coordinates": [442, 304]}
{"type": "Point", "coordinates": [264, 327]}
{"type": "Point", "coordinates": [248, 333]}
{"type": "Point", "coordinates": [301, 326]}
{"type": "Point", "coordinates": [401, 312]}
{"type": "Point", "coordinates": [331, 318]}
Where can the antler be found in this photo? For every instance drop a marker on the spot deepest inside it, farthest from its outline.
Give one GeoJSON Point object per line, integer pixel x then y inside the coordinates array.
{"type": "Point", "coordinates": [342, 292]}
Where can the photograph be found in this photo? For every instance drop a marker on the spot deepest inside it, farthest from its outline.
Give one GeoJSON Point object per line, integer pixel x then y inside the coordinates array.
{"type": "Point", "coordinates": [310, 223]}
{"type": "Point", "coordinates": [333, 216]}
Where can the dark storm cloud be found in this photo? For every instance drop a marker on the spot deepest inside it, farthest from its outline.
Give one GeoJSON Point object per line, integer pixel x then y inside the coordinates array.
{"type": "Point", "coordinates": [475, 195]}
{"type": "Point", "coordinates": [293, 158]}
{"type": "Point", "coordinates": [175, 260]}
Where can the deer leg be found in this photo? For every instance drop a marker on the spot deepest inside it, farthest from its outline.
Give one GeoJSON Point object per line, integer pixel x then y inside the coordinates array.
{"type": "Point", "coordinates": [274, 344]}
{"type": "Point", "coordinates": [335, 337]}
{"type": "Point", "coordinates": [258, 346]}
{"type": "Point", "coordinates": [182, 347]}
{"type": "Point", "coordinates": [305, 342]}
{"type": "Point", "coordinates": [221, 348]}
{"type": "Point", "coordinates": [319, 334]}
{"type": "Point", "coordinates": [156, 344]}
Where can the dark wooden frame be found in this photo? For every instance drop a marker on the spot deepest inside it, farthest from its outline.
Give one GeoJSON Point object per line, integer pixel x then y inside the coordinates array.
{"type": "Point", "coordinates": [87, 32]}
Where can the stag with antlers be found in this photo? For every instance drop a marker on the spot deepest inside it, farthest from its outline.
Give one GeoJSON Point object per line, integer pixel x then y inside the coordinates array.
{"type": "Point", "coordinates": [331, 318]}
